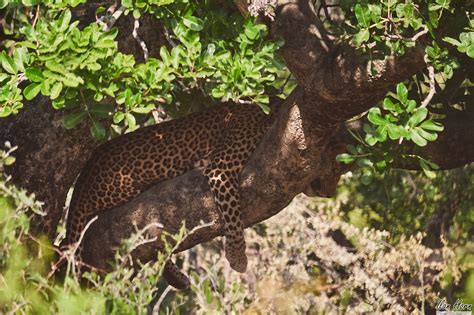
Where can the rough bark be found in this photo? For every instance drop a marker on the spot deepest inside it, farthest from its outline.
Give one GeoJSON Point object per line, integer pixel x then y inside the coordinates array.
{"type": "Point", "coordinates": [48, 158]}
{"type": "Point", "coordinates": [298, 152]}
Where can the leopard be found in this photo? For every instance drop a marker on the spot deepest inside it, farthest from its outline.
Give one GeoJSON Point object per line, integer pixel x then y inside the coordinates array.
{"type": "Point", "coordinates": [218, 142]}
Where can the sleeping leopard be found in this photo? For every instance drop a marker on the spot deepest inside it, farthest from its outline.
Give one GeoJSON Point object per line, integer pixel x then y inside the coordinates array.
{"type": "Point", "coordinates": [222, 139]}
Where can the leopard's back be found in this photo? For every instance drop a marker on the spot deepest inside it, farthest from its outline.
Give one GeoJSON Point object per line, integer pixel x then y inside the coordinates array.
{"type": "Point", "coordinates": [125, 166]}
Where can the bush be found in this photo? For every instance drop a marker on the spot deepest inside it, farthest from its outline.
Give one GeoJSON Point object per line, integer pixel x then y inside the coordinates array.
{"type": "Point", "coordinates": [316, 256]}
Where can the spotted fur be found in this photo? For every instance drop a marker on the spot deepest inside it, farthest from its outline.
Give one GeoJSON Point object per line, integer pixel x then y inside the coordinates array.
{"type": "Point", "coordinates": [222, 138]}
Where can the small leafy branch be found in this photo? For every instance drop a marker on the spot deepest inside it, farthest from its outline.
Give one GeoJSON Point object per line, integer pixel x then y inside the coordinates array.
{"type": "Point", "coordinates": [399, 120]}
{"type": "Point", "coordinates": [465, 43]}
{"type": "Point", "coordinates": [381, 28]}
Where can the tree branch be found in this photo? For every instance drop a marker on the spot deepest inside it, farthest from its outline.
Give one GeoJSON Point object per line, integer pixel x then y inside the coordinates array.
{"type": "Point", "coordinates": [333, 73]}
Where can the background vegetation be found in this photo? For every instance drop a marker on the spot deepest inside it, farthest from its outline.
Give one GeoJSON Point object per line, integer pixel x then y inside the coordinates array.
{"type": "Point", "coordinates": [318, 256]}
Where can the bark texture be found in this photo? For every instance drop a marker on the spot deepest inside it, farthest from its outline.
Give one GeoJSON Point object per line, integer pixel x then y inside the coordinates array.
{"type": "Point", "coordinates": [298, 152]}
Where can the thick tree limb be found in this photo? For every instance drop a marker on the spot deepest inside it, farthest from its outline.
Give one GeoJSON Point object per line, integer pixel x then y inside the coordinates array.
{"type": "Point", "coordinates": [48, 157]}
{"type": "Point", "coordinates": [333, 73]}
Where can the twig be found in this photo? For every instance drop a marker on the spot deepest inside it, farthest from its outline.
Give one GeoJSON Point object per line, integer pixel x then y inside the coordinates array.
{"type": "Point", "coordinates": [36, 16]}
{"type": "Point", "coordinates": [409, 39]}
{"type": "Point", "coordinates": [108, 20]}
{"type": "Point", "coordinates": [421, 33]}
{"type": "Point", "coordinates": [78, 243]}
{"type": "Point", "coordinates": [432, 92]}
{"type": "Point", "coordinates": [142, 44]}
{"type": "Point", "coordinates": [84, 232]}
{"type": "Point", "coordinates": [168, 37]}
{"type": "Point", "coordinates": [420, 262]}
{"type": "Point", "coordinates": [140, 233]}
{"type": "Point", "coordinates": [156, 116]}
{"type": "Point", "coordinates": [324, 6]}
{"type": "Point", "coordinates": [156, 308]}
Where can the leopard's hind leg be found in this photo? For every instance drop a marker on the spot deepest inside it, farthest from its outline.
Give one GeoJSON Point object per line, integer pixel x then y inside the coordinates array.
{"type": "Point", "coordinates": [223, 174]}
{"type": "Point", "coordinates": [226, 196]}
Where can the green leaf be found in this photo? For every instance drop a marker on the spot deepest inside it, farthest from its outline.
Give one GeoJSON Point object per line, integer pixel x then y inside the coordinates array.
{"type": "Point", "coordinates": [72, 80]}
{"type": "Point", "coordinates": [118, 117]}
{"type": "Point", "coordinates": [106, 43]}
{"type": "Point", "coordinates": [266, 109]}
{"type": "Point", "coordinates": [59, 103]}
{"type": "Point", "coordinates": [366, 177]}
{"type": "Point", "coordinates": [176, 55]}
{"type": "Point", "coordinates": [381, 133]}
{"type": "Point", "coordinates": [351, 149]}
{"type": "Point", "coordinates": [143, 109]}
{"type": "Point", "coordinates": [73, 119]}
{"type": "Point", "coordinates": [417, 139]}
{"type": "Point", "coordinates": [432, 125]}
{"type": "Point", "coordinates": [263, 99]}
{"type": "Point", "coordinates": [470, 50]}
{"type": "Point", "coordinates": [46, 87]}
{"type": "Point", "coordinates": [207, 292]}
{"type": "Point", "coordinates": [452, 41]}
{"type": "Point", "coordinates": [362, 36]}
{"type": "Point", "coordinates": [396, 132]}
{"type": "Point", "coordinates": [31, 91]}
{"type": "Point", "coordinates": [362, 14]}
{"type": "Point", "coordinates": [345, 158]}
{"type": "Point", "coordinates": [131, 122]}
{"type": "Point", "coordinates": [19, 57]}
{"type": "Point", "coordinates": [365, 163]}
{"type": "Point", "coordinates": [389, 105]}
{"type": "Point", "coordinates": [34, 74]}
{"type": "Point", "coordinates": [165, 55]}
{"type": "Point", "coordinates": [252, 32]}
{"type": "Point", "coordinates": [4, 76]}
{"type": "Point", "coordinates": [427, 135]}
{"type": "Point", "coordinates": [101, 110]}
{"type": "Point", "coordinates": [9, 160]}
{"type": "Point", "coordinates": [193, 23]}
{"type": "Point", "coordinates": [8, 64]}
{"type": "Point", "coordinates": [375, 118]}
{"type": "Point", "coordinates": [64, 20]}
{"type": "Point", "coordinates": [419, 115]}
{"type": "Point", "coordinates": [136, 14]}
{"type": "Point", "coordinates": [217, 93]}
{"type": "Point", "coordinates": [426, 168]}
{"type": "Point", "coordinates": [52, 75]}
{"type": "Point", "coordinates": [402, 93]}
{"type": "Point", "coordinates": [410, 105]}
{"type": "Point", "coordinates": [99, 10]}
{"type": "Point", "coordinates": [54, 66]}
{"type": "Point", "coordinates": [97, 130]}
{"type": "Point", "coordinates": [3, 3]}
{"type": "Point", "coordinates": [56, 90]}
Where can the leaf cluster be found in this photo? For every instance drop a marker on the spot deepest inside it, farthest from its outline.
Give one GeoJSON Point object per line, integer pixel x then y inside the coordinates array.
{"type": "Point", "coordinates": [211, 53]}
{"type": "Point", "coordinates": [383, 28]}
